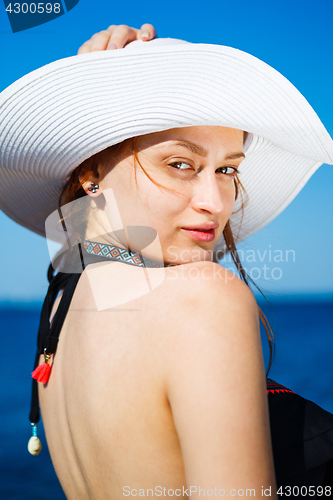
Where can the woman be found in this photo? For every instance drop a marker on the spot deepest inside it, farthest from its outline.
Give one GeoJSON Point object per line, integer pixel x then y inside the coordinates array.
{"type": "Point", "coordinates": [146, 392]}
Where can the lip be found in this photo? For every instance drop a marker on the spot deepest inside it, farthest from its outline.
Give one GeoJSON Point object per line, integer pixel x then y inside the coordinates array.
{"type": "Point", "coordinates": [204, 225]}
{"type": "Point", "coordinates": [208, 235]}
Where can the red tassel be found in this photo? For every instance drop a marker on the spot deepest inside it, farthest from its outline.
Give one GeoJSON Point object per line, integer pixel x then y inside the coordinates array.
{"type": "Point", "coordinates": [42, 372]}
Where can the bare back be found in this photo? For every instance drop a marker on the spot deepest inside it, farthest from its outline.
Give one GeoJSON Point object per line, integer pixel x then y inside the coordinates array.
{"type": "Point", "coordinates": [108, 421]}
{"type": "Point", "coordinates": [105, 411]}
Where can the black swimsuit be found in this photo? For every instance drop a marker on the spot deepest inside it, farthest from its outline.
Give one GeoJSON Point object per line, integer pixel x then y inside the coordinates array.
{"type": "Point", "coordinates": [301, 431]}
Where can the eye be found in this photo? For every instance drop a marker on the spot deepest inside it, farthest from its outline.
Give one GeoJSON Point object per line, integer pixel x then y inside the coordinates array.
{"type": "Point", "coordinates": [233, 172]}
{"type": "Point", "coordinates": [181, 165]}
{"type": "Point", "coordinates": [177, 163]}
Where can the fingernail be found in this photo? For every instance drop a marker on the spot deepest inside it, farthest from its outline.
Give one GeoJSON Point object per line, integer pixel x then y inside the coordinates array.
{"type": "Point", "coordinates": [145, 34]}
{"type": "Point", "coordinates": [112, 46]}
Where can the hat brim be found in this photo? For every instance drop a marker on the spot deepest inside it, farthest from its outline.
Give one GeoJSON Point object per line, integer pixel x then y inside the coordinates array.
{"type": "Point", "coordinates": [61, 114]}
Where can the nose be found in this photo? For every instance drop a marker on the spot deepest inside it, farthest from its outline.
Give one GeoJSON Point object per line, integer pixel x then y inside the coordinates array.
{"type": "Point", "coordinates": [209, 195]}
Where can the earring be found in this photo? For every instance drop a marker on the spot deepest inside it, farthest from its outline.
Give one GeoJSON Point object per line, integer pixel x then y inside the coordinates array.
{"type": "Point", "coordinates": [93, 187]}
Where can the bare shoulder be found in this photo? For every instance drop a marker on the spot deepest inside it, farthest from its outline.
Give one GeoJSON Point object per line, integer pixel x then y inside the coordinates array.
{"type": "Point", "coordinates": [209, 307]}
{"type": "Point", "coordinates": [209, 282]}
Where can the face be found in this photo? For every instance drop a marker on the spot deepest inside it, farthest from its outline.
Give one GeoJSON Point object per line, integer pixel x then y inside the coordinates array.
{"type": "Point", "coordinates": [195, 167]}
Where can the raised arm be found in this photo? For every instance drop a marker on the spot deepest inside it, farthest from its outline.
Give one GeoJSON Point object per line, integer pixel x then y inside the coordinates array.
{"type": "Point", "coordinates": [216, 386]}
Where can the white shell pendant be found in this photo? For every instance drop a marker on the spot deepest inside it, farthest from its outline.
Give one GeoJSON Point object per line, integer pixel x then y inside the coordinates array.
{"type": "Point", "coordinates": [34, 445]}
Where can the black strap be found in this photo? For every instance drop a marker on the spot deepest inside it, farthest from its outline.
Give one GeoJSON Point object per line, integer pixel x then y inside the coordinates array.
{"type": "Point", "coordinates": [51, 337]}
{"type": "Point", "coordinates": [34, 407]}
{"type": "Point", "coordinates": [48, 337]}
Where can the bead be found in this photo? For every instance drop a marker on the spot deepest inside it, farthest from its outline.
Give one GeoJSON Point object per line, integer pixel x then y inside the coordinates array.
{"type": "Point", "coordinates": [34, 445]}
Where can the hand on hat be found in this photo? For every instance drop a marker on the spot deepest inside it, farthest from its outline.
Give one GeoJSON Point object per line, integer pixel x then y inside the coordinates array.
{"type": "Point", "coordinates": [116, 37]}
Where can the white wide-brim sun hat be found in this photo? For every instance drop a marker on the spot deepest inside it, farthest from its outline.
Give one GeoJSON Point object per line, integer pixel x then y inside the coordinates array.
{"type": "Point", "coordinates": [59, 115]}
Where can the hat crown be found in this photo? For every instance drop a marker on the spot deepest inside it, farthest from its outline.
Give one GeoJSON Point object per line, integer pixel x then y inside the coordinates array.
{"type": "Point", "coordinates": [156, 42]}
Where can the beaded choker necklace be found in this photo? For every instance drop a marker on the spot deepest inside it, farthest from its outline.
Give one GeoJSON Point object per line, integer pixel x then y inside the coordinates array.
{"type": "Point", "coordinates": [121, 254]}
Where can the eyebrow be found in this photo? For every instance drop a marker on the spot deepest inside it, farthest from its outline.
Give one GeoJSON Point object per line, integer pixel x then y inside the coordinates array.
{"type": "Point", "coordinates": [199, 150]}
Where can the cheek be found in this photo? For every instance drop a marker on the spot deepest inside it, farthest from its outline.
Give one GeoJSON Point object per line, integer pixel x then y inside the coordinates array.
{"type": "Point", "coordinates": [228, 196]}
{"type": "Point", "coordinates": [157, 195]}
{"type": "Point", "coordinates": [118, 193]}
{"type": "Point", "coordinates": [160, 205]}
{"type": "Point", "coordinates": [144, 203]}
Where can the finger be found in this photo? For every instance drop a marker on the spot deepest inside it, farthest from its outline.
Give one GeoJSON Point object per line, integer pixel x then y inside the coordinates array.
{"type": "Point", "coordinates": [147, 32]}
{"type": "Point", "coordinates": [100, 41]}
{"type": "Point", "coordinates": [122, 35]}
{"type": "Point", "coordinates": [85, 47]}
{"type": "Point", "coordinates": [111, 28]}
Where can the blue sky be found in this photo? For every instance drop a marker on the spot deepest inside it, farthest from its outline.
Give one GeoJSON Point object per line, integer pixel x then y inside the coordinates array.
{"type": "Point", "coordinates": [292, 36]}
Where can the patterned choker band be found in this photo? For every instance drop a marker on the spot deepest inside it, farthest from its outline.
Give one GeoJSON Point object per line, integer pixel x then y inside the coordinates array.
{"type": "Point", "coordinates": [116, 253]}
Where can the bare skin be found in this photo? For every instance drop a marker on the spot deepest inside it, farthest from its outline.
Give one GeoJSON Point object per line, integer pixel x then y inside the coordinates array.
{"type": "Point", "coordinates": [131, 400]}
